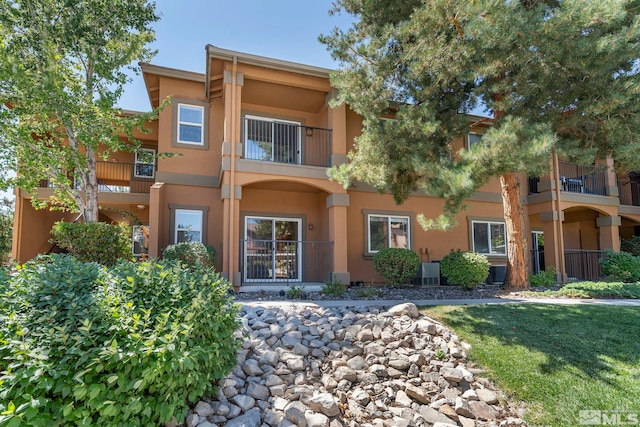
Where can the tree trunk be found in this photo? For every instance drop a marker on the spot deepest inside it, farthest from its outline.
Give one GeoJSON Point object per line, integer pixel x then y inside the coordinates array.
{"type": "Point", "coordinates": [91, 188]}
{"type": "Point", "coordinates": [517, 274]}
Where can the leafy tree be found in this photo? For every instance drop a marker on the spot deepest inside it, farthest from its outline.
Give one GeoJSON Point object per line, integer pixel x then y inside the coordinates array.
{"type": "Point", "coordinates": [62, 70]}
{"type": "Point", "coordinates": [559, 77]}
{"type": "Point", "coordinates": [6, 227]}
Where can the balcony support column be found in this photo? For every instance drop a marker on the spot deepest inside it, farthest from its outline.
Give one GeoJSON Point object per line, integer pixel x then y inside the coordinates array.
{"type": "Point", "coordinates": [609, 227]}
{"type": "Point", "coordinates": [157, 229]}
{"type": "Point", "coordinates": [553, 243]}
{"type": "Point", "coordinates": [337, 205]}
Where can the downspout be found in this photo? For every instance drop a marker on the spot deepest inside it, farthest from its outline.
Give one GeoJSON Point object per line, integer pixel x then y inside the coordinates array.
{"type": "Point", "coordinates": [232, 184]}
{"type": "Point", "coordinates": [560, 239]}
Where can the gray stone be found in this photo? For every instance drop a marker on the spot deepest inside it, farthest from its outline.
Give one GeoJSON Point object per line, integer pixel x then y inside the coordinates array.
{"type": "Point", "coordinates": [192, 420]}
{"type": "Point", "coordinates": [203, 409]}
{"type": "Point", "coordinates": [462, 408]}
{"type": "Point", "coordinates": [252, 418]}
{"type": "Point", "coordinates": [379, 370]}
{"type": "Point", "coordinates": [345, 373]}
{"type": "Point", "coordinates": [296, 364]}
{"type": "Point", "coordinates": [244, 402]}
{"type": "Point", "coordinates": [270, 358]}
{"type": "Point", "coordinates": [234, 411]}
{"type": "Point", "coordinates": [316, 420]}
{"type": "Point", "coordinates": [251, 368]}
{"type": "Point", "coordinates": [324, 403]}
{"type": "Point", "coordinates": [452, 374]}
{"type": "Point", "coordinates": [432, 416]}
{"type": "Point", "coordinates": [401, 364]}
{"type": "Point", "coordinates": [272, 380]}
{"type": "Point", "coordinates": [418, 394]}
{"type": "Point", "coordinates": [466, 422]}
{"type": "Point", "coordinates": [357, 363]}
{"type": "Point", "coordinates": [408, 309]}
{"type": "Point", "coordinates": [487, 396]}
{"type": "Point", "coordinates": [295, 412]}
{"type": "Point", "coordinates": [258, 391]}
{"type": "Point", "coordinates": [403, 400]}
{"type": "Point", "coordinates": [300, 349]}
{"type": "Point", "coordinates": [483, 411]}
{"type": "Point", "coordinates": [361, 397]}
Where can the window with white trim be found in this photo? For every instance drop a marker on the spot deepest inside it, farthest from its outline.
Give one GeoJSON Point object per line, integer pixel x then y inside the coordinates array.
{"type": "Point", "coordinates": [387, 231]}
{"type": "Point", "coordinates": [473, 139]}
{"type": "Point", "coordinates": [188, 226]}
{"type": "Point", "coordinates": [190, 124]}
{"type": "Point", "coordinates": [489, 238]}
{"type": "Point", "coordinates": [145, 163]}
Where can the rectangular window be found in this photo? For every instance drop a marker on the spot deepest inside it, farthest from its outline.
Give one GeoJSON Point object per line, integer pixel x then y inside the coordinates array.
{"type": "Point", "coordinates": [140, 240]}
{"type": "Point", "coordinates": [473, 139]}
{"type": "Point", "coordinates": [188, 226]}
{"type": "Point", "coordinates": [489, 238]}
{"type": "Point", "coordinates": [145, 163]}
{"type": "Point", "coordinates": [385, 231]}
{"type": "Point", "coordinates": [190, 124]}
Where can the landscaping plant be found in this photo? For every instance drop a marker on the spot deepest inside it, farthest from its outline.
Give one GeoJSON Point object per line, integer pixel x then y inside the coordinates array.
{"type": "Point", "coordinates": [129, 345]}
{"type": "Point", "coordinates": [467, 269]}
{"type": "Point", "coordinates": [544, 278]}
{"type": "Point", "coordinates": [94, 241]}
{"type": "Point", "coordinates": [334, 288]}
{"type": "Point", "coordinates": [620, 266]}
{"type": "Point", "coordinates": [191, 254]}
{"type": "Point", "coordinates": [396, 265]}
{"type": "Point", "coordinates": [631, 245]}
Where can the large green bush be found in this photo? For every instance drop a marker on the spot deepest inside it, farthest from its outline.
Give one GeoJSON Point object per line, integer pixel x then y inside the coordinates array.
{"type": "Point", "coordinates": [543, 278]}
{"type": "Point", "coordinates": [396, 265]}
{"type": "Point", "coordinates": [467, 269]}
{"type": "Point", "coordinates": [94, 241]}
{"type": "Point", "coordinates": [131, 345]}
{"type": "Point", "coordinates": [191, 254]}
{"type": "Point", "coordinates": [621, 266]}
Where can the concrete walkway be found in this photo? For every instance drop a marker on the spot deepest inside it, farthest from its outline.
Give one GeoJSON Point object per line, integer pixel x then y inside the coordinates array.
{"type": "Point", "coordinates": [433, 302]}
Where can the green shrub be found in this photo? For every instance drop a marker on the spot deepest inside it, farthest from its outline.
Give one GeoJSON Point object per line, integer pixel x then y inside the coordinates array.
{"type": "Point", "coordinates": [191, 254]}
{"type": "Point", "coordinates": [631, 245]}
{"type": "Point", "coordinates": [544, 278]}
{"type": "Point", "coordinates": [294, 292]}
{"type": "Point", "coordinates": [467, 269]}
{"type": "Point", "coordinates": [396, 265]}
{"type": "Point", "coordinates": [130, 345]}
{"type": "Point", "coordinates": [333, 289]}
{"type": "Point", "coordinates": [621, 266]}
{"type": "Point", "coordinates": [94, 241]}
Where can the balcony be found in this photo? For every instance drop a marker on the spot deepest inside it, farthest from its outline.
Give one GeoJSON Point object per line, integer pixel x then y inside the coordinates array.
{"type": "Point", "coordinates": [587, 179]}
{"type": "Point", "coordinates": [280, 141]}
{"type": "Point", "coordinates": [629, 192]}
{"type": "Point", "coordinates": [116, 177]}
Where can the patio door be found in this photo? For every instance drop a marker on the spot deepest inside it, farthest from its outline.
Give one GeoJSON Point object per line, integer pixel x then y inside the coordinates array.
{"type": "Point", "coordinates": [537, 240]}
{"type": "Point", "coordinates": [273, 249]}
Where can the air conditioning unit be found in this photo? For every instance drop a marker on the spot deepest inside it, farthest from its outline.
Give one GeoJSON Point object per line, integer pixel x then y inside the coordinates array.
{"type": "Point", "coordinates": [497, 274]}
{"type": "Point", "coordinates": [430, 273]}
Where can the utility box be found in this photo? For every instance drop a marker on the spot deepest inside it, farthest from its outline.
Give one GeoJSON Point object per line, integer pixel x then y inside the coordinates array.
{"type": "Point", "coordinates": [430, 273]}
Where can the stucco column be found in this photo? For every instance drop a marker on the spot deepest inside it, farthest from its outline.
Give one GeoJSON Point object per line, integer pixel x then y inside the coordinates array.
{"type": "Point", "coordinates": [553, 244]}
{"type": "Point", "coordinates": [611, 181]}
{"type": "Point", "coordinates": [609, 232]}
{"type": "Point", "coordinates": [338, 125]}
{"type": "Point", "coordinates": [231, 236]}
{"type": "Point", "coordinates": [157, 226]}
{"type": "Point", "coordinates": [337, 205]}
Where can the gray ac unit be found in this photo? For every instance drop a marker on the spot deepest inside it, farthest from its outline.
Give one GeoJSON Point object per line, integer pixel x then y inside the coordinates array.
{"type": "Point", "coordinates": [497, 274]}
{"type": "Point", "coordinates": [430, 273]}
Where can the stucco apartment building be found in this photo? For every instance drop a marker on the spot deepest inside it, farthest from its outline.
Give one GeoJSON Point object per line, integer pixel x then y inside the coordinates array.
{"type": "Point", "coordinates": [254, 137]}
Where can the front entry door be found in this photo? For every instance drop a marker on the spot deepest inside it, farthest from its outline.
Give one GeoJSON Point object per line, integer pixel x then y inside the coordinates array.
{"type": "Point", "coordinates": [273, 249]}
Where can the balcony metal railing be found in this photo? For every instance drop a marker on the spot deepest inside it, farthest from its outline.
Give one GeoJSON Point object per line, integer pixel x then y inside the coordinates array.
{"type": "Point", "coordinates": [287, 261]}
{"type": "Point", "coordinates": [587, 179]}
{"type": "Point", "coordinates": [583, 264]}
{"type": "Point", "coordinates": [114, 177]}
{"type": "Point", "coordinates": [629, 192]}
{"type": "Point", "coordinates": [284, 142]}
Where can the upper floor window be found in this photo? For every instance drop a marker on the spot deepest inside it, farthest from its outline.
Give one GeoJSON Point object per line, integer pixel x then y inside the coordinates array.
{"type": "Point", "coordinates": [190, 124]}
{"type": "Point", "coordinates": [145, 163]}
{"type": "Point", "coordinates": [473, 139]}
{"type": "Point", "coordinates": [387, 231]}
{"type": "Point", "coordinates": [188, 225]}
{"type": "Point", "coordinates": [489, 238]}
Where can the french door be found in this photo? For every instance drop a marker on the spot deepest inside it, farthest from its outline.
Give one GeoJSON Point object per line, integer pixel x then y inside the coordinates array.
{"type": "Point", "coordinates": [537, 240]}
{"type": "Point", "coordinates": [272, 249]}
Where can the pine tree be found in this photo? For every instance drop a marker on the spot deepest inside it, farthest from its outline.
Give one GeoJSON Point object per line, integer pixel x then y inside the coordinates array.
{"type": "Point", "coordinates": [558, 76]}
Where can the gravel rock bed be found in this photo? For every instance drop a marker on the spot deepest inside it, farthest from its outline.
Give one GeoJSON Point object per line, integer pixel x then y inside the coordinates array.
{"type": "Point", "coordinates": [408, 293]}
{"type": "Point", "coordinates": [309, 366]}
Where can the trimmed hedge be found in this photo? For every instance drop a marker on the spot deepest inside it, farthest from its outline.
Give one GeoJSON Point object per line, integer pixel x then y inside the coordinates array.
{"type": "Point", "coordinates": [191, 254]}
{"type": "Point", "coordinates": [94, 241]}
{"type": "Point", "coordinates": [620, 267]}
{"type": "Point", "coordinates": [131, 345]}
{"type": "Point", "coordinates": [396, 265]}
{"type": "Point", "coordinates": [467, 269]}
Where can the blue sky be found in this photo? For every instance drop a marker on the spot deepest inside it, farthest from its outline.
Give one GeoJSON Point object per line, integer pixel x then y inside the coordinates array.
{"type": "Point", "coordinates": [282, 29]}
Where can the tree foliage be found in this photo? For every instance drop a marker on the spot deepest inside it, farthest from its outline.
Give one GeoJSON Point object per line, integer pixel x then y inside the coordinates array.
{"type": "Point", "coordinates": [556, 76]}
{"type": "Point", "coordinates": [62, 71]}
{"type": "Point", "coordinates": [6, 228]}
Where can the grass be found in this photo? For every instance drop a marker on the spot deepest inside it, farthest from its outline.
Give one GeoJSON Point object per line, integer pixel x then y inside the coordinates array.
{"type": "Point", "coordinates": [556, 360]}
{"type": "Point", "coordinates": [594, 290]}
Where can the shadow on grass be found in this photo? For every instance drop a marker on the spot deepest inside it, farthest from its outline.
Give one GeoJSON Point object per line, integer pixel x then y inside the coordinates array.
{"type": "Point", "coordinates": [583, 337]}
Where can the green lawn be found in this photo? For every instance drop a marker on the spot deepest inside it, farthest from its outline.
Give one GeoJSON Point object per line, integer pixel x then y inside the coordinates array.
{"type": "Point", "coordinates": [594, 290]}
{"type": "Point", "coordinates": [557, 360]}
